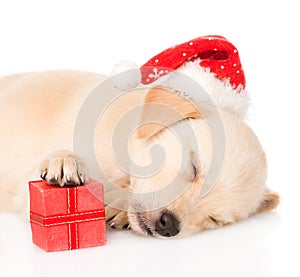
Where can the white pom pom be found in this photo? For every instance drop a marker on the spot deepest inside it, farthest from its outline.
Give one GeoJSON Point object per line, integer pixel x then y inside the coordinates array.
{"type": "Point", "coordinates": [126, 75]}
{"type": "Point", "coordinates": [123, 66]}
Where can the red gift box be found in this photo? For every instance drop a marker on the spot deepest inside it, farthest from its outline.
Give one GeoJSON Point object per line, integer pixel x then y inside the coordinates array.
{"type": "Point", "coordinates": [66, 218]}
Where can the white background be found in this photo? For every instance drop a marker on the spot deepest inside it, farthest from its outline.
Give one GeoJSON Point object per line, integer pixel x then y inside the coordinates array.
{"type": "Point", "coordinates": [93, 36]}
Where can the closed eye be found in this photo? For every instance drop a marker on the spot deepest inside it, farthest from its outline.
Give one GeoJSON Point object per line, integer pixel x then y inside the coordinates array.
{"type": "Point", "coordinates": [189, 172]}
{"type": "Point", "coordinates": [194, 162]}
{"type": "Point", "coordinates": [194, 171]}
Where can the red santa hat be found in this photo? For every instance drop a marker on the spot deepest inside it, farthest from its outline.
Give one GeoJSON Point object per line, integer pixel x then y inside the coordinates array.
{"type": "Point", "coordinates": [212, 61]}
{"type": "Point", "coordinates": [214, 52]}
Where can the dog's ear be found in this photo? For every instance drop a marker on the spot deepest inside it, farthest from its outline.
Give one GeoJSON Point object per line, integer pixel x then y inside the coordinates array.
{"type": "Point", "coordinates": [162, 108]}
{"type": "Point", "coordinates": [270, 201]}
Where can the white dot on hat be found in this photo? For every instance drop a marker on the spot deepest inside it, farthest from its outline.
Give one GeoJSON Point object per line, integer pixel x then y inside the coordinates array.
{"type": "Point", "coordinates": [215, 49]}
{"type": "Point", "coordinates": [234, 50]}
{"type": "Point", "coordinates": [222, 66]}
{"type": "Point", "coordinates": [191, 43]}
{"type": "Point", "coordinates": [196, 55]}
{"type": "Point", "coordinates": [157, 60]}
{"type": "Point", "coordinates": [237, 71]}
{"type": "Point", "coordinates": [184, 54]}
{"type": "Point", "coordinates": [234, 64]}
{"type": "Point", "coordinates": [148, 80]}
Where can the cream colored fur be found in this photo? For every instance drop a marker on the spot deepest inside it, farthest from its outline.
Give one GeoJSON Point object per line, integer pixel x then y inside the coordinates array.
{"type": "Point", "coordinates": [37, 116]}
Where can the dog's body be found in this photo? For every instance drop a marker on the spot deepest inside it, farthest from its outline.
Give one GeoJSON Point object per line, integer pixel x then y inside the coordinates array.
{"type": "Point", "coordinates": [37, 117]}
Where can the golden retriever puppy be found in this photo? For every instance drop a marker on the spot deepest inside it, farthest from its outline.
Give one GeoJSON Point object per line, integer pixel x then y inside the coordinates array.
{"type": "Point", "coordinates": [189, 186]}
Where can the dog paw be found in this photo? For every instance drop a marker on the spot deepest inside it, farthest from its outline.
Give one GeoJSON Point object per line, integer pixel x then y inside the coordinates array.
{"type": "Point", "coordinates": [116, 219]}
{"type": "Point", "coordinates": [63, 168]}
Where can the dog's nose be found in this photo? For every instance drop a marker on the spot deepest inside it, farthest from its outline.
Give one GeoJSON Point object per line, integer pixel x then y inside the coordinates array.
{"type": "Point", "coordinates": [167, 225]}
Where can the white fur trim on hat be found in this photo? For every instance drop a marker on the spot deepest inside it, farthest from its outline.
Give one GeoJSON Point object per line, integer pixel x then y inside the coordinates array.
{"type": "Point", "coordinates": [221, 92]}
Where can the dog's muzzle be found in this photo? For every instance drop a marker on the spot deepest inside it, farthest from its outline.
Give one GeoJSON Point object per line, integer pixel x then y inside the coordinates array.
{"type": "Point", "coordinates": [167, 225]}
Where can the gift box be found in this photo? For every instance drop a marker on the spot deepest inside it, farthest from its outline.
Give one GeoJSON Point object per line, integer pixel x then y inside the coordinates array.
{"type": "Point", "coordinates": [66, 218]}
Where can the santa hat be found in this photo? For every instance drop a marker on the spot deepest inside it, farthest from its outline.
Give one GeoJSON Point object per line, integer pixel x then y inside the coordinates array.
{"type": "Point", "coordinates": [212, 61]}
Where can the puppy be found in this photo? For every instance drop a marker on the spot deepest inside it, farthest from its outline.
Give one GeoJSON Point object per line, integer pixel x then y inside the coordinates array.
{"type": "Point", "coordinates": [38, 115]}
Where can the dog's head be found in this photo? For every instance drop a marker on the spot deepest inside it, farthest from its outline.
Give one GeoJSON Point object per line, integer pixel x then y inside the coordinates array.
{"type": "Point", "coordinates": [174, 141]}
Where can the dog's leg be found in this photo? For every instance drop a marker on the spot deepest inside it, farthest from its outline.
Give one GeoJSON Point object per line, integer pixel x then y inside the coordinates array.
{"type": "Point", "coordinates": [116, 210]}
{"type": "Point", "coordinates": [63, 168]}
{"type": "Point", "coordinates": [116, 218]}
